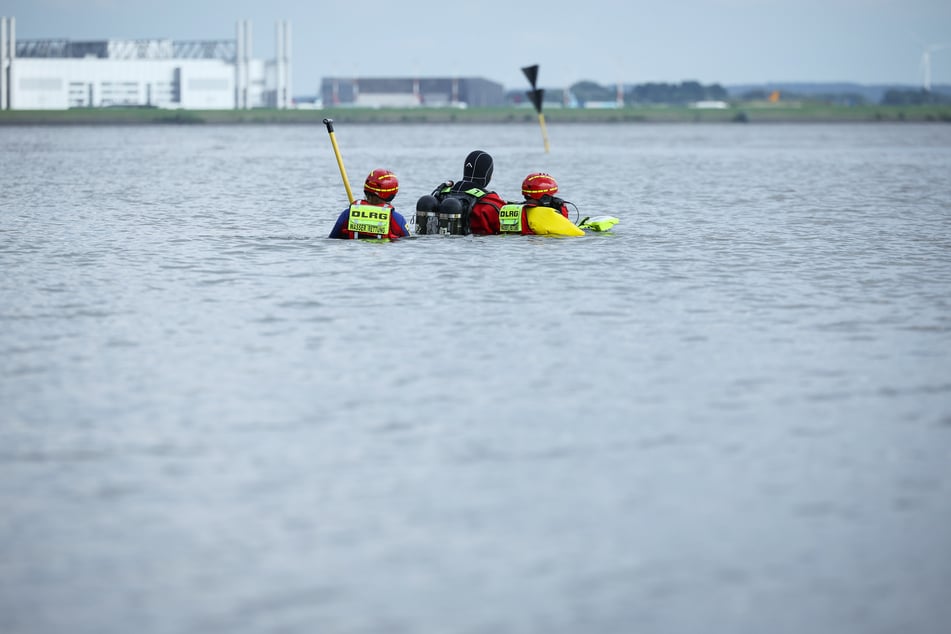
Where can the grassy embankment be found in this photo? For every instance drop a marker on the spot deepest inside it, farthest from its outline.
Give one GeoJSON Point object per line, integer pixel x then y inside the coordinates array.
{"type": "Point", "coordinates": [745, 113]}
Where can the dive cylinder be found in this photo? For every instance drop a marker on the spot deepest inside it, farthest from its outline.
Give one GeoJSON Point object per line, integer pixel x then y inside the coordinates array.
{"type": "Point", "coordinates": [427, 221]}
{"type": "Point", "coordinates": [450, 216]}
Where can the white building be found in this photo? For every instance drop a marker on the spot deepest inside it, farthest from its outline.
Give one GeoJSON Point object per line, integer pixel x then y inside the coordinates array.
{"type": "Point", "coordinates": [204, 75]}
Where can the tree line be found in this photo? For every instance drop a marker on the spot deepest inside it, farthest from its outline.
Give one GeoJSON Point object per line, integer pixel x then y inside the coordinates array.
{"type": "Point", "coordinates": [684, 93]}
{"type": "Point", "coordinates": [919, 97]}
{"type": "Point", "coordinates": [688, 92]}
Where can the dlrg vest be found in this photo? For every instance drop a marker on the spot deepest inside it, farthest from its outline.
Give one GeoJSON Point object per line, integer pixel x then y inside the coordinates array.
{"type": "Point", "coordinates": [369, 219]}
{"type": "Point", "coordinates": [510, 218]}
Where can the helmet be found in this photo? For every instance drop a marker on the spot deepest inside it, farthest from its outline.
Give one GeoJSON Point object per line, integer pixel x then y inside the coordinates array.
{"type": "Point", "coordinates": [539, 184]}
{"type": "Point", "coordinates": [381, 183]}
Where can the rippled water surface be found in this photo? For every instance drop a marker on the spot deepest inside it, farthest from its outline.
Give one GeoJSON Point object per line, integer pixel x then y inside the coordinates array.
{"type": "Point", "coordinates": [732, 414]}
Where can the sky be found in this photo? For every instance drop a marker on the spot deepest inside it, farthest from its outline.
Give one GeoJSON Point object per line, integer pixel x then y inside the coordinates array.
{"type": "Point", "coordinates": [728, 42]}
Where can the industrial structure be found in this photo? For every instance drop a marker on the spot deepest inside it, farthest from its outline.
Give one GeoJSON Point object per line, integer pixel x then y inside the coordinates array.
{"type": "Point", "coordinates": [159, 73]}
{"type": "Point", "coordinates": [377, 92]}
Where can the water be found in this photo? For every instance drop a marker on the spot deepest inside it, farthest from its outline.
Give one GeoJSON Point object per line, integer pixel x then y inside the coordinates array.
{"type": "Point", "coordinates": [733, 414]}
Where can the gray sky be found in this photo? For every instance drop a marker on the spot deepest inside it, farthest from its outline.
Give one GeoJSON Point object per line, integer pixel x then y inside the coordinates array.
{"type": "Point", "coordinates": [633, 41]}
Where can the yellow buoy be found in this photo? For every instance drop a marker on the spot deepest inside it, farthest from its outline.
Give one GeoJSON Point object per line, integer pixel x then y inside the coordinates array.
{"type": "Point", "coordinates": [546, 221]}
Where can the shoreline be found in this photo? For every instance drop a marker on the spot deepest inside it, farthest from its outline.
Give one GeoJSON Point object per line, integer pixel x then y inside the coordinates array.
{"type": "Point", "coordinates": [750, 114]}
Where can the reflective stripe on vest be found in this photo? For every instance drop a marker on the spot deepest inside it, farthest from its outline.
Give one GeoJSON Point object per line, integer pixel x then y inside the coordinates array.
{"type": "Point", "coordinates": [510, 218]}
{"type": "Point", "coordinates": [475, 192]}
{"type": "Point", "coordinates": [369, 219]}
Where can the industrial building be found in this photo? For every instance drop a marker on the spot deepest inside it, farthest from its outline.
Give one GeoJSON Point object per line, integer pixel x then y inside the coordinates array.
{"type": "Point", "coordinates": [159, 73]}
{"type": "Point", "coordinates": [375, 92]}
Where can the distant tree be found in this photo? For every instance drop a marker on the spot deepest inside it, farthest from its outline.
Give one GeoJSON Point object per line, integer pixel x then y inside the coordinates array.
{"type": "Point", "coordinates": [717, 92]}
{"type": "Point", "coordinates": [691, 91]}
{"type": "Point", "coordinates": [839, 99]}
{"type": "Point", "coordinates": [896, 97]}
{"type": "Point", "coordinates": [754, 95]}
{"type": "Point", "coordinates": [842, 99]}
{"type": "Point", "coordinates": [651, 93]}
{"type": "Point", "coordinates": [586, 91]}
{"type": "Point", "coordinates": [684, 93]}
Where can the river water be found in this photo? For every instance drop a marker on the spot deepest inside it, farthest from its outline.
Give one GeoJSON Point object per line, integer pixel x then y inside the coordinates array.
{"type": "Point", "coordinates": [731, 414]}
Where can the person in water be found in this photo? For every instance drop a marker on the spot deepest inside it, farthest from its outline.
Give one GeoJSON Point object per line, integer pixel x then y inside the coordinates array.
{"type": "Point", "coordinates": [373, 218]}
{"type": "Point", "coordinates": [483, 203]}
{"type": "Point", "coordinates": [538, 190]}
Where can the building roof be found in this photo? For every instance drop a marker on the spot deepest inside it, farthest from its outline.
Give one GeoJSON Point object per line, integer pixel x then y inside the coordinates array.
{"type": "Point", "coordinates": [127, 49]}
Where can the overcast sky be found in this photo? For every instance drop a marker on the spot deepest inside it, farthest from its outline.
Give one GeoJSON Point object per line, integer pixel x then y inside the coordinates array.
{"type": "Point", "coordinates": [632, 41]}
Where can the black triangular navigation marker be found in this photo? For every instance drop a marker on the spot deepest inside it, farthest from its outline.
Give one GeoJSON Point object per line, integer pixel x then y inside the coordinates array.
{"type": "Point", "coordinates": [536, 96]}
{"type": "Point", "coordinates": [531, 72]}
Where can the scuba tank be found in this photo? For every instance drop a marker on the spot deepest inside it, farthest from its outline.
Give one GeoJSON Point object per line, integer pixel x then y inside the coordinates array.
{"type": "Point", "coordinates": [426, 220]}
{"type": "Point", "coordinates": [451, 217]}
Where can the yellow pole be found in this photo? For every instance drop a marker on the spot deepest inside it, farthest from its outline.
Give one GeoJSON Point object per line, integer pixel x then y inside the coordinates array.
{"type": "Point", "coordinates": [343, 172]}
{"type": "Point", "coordinates": [537, 95]}
{"type": "Point", "coordinates": [541, 122]}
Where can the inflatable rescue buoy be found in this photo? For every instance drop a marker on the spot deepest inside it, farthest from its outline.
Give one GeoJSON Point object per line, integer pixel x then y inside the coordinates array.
{"type": "Point", "coordinates": [599, 223]}
{"type": "Point", "coordinates": [546, 221]}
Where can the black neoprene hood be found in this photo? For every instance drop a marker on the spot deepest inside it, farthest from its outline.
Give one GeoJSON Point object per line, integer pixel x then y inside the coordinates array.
{"type": "Point", "coordinates": [478, 168]}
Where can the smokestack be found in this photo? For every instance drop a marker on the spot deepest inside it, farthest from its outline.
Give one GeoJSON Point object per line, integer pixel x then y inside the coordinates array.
{"type": "Point", "coordinates": [246, 64]}
{"type": "Point", "coordinates": [238, 56]}
{"type": "Point", "coordinates": [8, 52]}
{"type": "Point", "coordinates": [282, 64]}
{"type": "Point", "coordinates": [3, 63]}
{"type": "Point", "coordinates": [279, 65]}
{"type": "Point", "coordinates": [288, 95]}
{"type": "Point", "coordinates": [242, 55]}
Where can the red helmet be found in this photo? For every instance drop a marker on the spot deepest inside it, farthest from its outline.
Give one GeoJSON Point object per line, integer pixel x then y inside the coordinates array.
{"type": "Point", "coordinates": [382, 183]}
{"type": "Point", "coordinates": [539, 184]}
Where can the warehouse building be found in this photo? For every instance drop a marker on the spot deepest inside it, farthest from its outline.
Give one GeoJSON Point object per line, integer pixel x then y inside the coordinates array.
{"type": "Point", "coordinates": [375, 92]}
{"type": "Point", "coordinates": [159, 73]}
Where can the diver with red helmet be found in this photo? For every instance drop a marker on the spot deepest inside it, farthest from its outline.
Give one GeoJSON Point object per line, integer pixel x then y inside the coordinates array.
{"type": "Point", "coordinates": [539, 190]}
{"type": "Point", "coordinates": [373, 217]}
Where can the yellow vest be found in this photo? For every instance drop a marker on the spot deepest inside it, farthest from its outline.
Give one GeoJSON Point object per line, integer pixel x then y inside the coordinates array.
{"type": "Point", "coordinates": [369, 219]}
{"type": "Point", "coordinates": [510, 218]}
